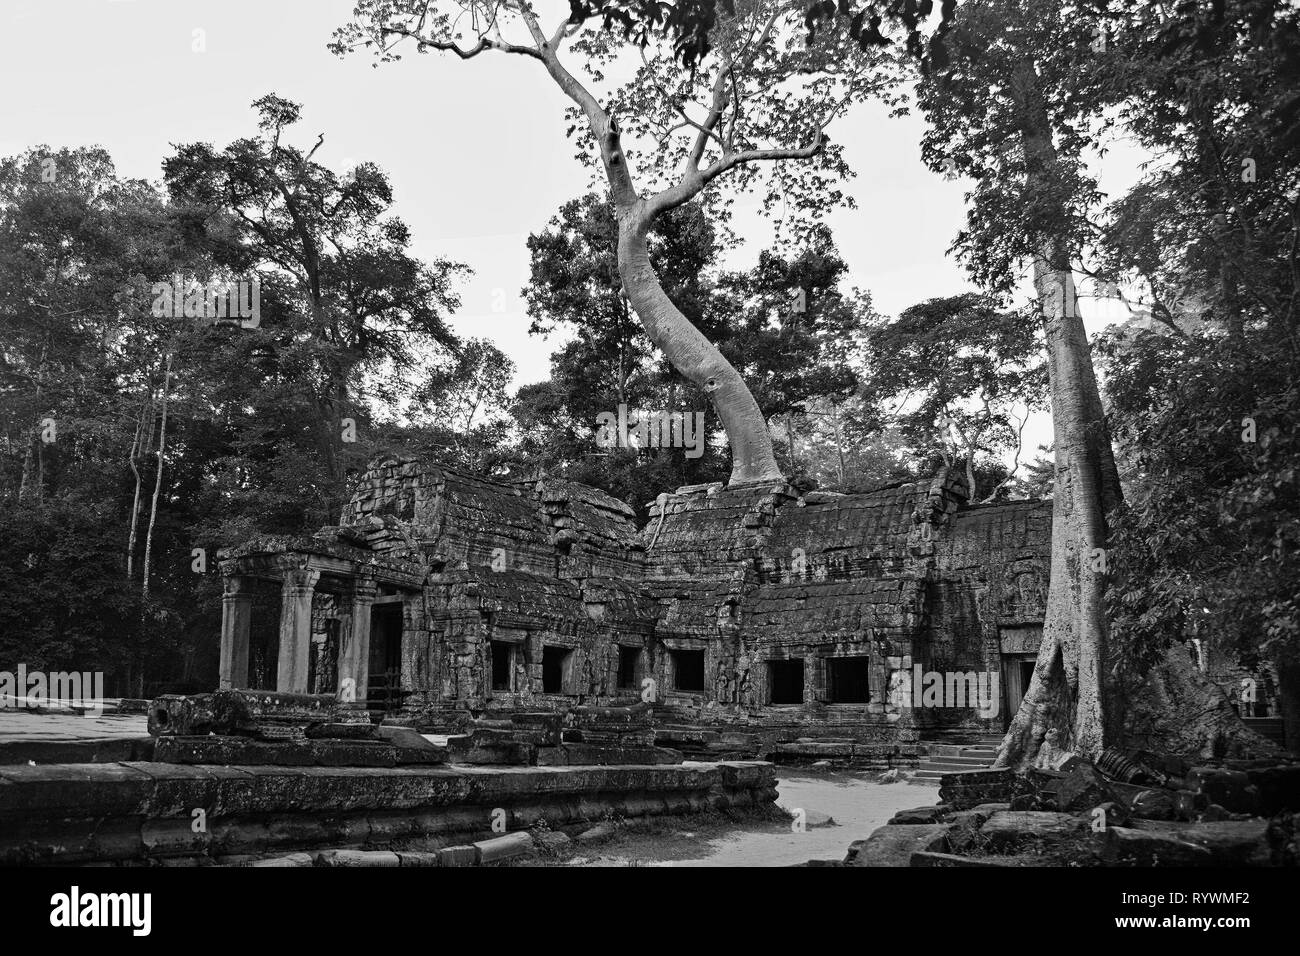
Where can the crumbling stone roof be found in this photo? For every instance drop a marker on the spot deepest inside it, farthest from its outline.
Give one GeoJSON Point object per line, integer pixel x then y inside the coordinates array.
{"type": "Point", "coordinates": [755, 558]}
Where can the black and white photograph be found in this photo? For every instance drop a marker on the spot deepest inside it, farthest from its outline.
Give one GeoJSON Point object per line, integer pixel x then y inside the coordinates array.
{"type": "Point", "coordinates": [520, 435]}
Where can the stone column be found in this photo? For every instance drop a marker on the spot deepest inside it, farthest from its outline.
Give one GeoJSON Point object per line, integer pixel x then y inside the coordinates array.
{"type": "Point", "coordinates": [236, 615]}
{"type": "Point", "coordinates": [295, 630]}
{"type": "Point", "coordinates": [354, 655]}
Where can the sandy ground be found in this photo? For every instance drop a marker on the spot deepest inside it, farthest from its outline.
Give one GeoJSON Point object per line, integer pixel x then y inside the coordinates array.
{"type": "Point", "coordinates": [855, 802]}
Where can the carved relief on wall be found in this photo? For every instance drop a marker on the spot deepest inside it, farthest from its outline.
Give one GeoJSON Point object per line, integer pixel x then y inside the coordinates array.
{"type": "Point", "coordinates": [1025, 595]}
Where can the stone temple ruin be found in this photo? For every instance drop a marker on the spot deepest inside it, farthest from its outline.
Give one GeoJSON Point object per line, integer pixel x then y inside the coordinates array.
{"type": "Point", "coordinates": [443, 596]}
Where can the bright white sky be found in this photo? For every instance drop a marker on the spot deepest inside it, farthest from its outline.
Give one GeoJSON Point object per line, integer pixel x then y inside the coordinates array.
{"type": "Point", "coordinates": [475, 150]}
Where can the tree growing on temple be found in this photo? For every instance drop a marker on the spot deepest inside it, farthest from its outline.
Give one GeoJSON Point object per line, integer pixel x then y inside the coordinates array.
{"type": "Point", "coordinates": [753, 116]}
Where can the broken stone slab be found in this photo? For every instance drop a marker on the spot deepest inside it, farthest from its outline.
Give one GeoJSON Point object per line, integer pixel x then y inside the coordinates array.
{"type": "Point", "coordinates": [1076, 787]}
{"type": "Point", "coordinates": [816, 749]}
{"type": "Point", "coordinates": [354, 858]}
{"type": "Point", "coordinates": [465, 750]}
{"type": "Point", "coordinates": [930, 858]}
{"type": "Point", "coordinates": [930, 814]}
{"type": "Point", "coordinates": [287, 860]}
{"type": "Point", "coordinates": [1011, 828]}
{"type": "Point", "coordinates": [593, 755]}
{"type": "Point", "coordinates": [231, 751]}
{"type": "Point", "coordinates": [412, 747]}
{"type": "Point", "coordinates": [965, 789]}
{"type": "Point", "coordinates": [343, 731]}
{"type": "Point", "coordinates": [505, 847]}
{"type": "Point", "coordinates": [894, 845]}
{"type": "Point", "coordinates": [458, 856]}
{"type": "Point", "coordinates": [1230, 842]}
{"type": "Point", "coordinates": [1150, 848]}
{"type": "Point", "coordinates": [971, 819]}
{"type": "Point", "coordinates": [418, 858]}
{"type": "Point", "coordinates": [546, 725]}
{"type": "Point", "coordinates": [244, 712]}
{"type": "Point", "coordinates": [492, 736]}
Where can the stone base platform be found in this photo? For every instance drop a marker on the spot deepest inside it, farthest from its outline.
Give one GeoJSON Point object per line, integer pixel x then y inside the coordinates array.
{"type": "Point", "coordinates": [149, 812]}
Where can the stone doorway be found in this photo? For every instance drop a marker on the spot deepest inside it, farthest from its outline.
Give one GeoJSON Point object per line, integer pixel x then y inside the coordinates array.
{"type": "Point", "coordinates": [1017, 671]}
{"type": "Point", "coordinates": [384, 689]}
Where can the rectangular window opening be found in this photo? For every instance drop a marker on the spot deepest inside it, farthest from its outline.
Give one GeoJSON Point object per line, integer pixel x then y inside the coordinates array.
{"type": "Point", "coordinates": [688, 670]}
{"type": "Point", "coordinates": [502, 661]}
{"type": "Point", "coordinates": [785, 681]}
{"type": "Point", "coordinates": [627, 658]}
{"type": "Point", "coordinates": [848, 680]}
{"type": "Point", "coordinates": [553, 660]}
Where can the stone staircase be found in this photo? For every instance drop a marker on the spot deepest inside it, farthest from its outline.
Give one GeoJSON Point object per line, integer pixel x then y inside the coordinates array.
{"type": "Point", "coordinates": [943, 758]}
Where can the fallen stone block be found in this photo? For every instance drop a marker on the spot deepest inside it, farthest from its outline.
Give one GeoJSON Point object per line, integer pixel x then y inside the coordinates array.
{"type": "Point", "coordinates": [894, 845]}
{"type": "Point", "coordinates": [288, 860]}
{"type": "Point", "coordinates": [965, 789]}
{"type": "Point", "coordinates": [1147, 848]}
{"type": "Point", "coordinates": [1230, 842]}
{"type": "Point", "coordinates": [412, 747]}
{"type": "Point", "coordinates": [593, 755]}
{"type": "Point", "coordinates": [505, 847]}
{"type": "Point", "coordinates": [546, 725]}
{"type": "Point", "coordinates": [971, 819]}
{"type": "Point", "coordinates": [1011, 828]}
{"type": "Point", "coordinates": [928, 858]}
{"type": "Point", "coordinates": [458, 856]}
{"type": "Point", "coordinates": [353, 858]}
{"type": "Point", "coordinates": [343, 731]}
{"type": "Point", "coordinates": [1081, 787]}
{"type": "Point", "coordinates": [930, 814]}
{"type": "Point", "coordinates": [243, 712]}
{"type": "Point", "coordinates": [465, 750]}
{"type": "Point", "coordinates": [418, 858]}
{"type": "Point", "coordinates": [242, 751]}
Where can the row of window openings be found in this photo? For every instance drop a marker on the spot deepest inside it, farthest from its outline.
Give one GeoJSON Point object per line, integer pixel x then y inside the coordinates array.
{"type": "Point", "coordinates": [846, 676]}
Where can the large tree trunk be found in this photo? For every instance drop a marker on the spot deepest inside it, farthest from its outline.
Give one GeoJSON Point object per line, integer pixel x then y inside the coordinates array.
{"type": "Point", "coordinates": [694, 356]}
{"type": "Point", "coordinates": [137, 447]}
{"type": "Point", "coordinates": [1067, 692]}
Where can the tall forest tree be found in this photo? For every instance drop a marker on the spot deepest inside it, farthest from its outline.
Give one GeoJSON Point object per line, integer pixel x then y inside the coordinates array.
{"type": "Point", "coordinates": [754, 116]}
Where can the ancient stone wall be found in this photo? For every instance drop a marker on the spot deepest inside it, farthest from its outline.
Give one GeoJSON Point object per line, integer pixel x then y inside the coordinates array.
{"type": "Point", "coordinates": [748, 606]}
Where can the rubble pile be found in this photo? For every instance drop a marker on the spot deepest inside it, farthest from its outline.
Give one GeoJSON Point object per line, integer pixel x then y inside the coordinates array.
{"type": "Point", "coordinates": [1139, 809]}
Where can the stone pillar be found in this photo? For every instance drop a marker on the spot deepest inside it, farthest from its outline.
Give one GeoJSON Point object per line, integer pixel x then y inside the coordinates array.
{"type": "Point", "coordinates": [295, 630]}
{"type": "Point", "coordinates": [236, 615]}
{"type": "Point", "coordinates": [354, 654]}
